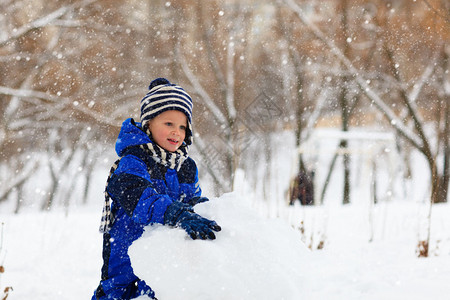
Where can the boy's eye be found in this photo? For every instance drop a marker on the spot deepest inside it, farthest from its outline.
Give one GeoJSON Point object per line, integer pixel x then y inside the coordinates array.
{"type": "Point", "coordinates": [169, 123]}
{"type": "Point", "coordinates": [183, 128]}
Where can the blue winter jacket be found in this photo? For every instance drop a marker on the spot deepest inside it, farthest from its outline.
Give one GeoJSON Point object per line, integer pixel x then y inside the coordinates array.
{"type": "Point", "coordinates": [141, 190]}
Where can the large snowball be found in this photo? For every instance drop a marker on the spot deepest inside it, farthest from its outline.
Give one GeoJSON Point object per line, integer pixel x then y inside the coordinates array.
{"type": "Point", "coordinates": [252, 257]}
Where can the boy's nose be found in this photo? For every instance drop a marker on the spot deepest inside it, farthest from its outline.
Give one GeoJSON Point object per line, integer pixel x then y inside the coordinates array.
{"type": "Point", "coordinates": [176, 131]}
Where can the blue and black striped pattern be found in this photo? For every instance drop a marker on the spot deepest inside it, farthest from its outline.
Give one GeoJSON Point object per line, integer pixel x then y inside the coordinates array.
{"type": "Point", "coordinates": [164, 96]}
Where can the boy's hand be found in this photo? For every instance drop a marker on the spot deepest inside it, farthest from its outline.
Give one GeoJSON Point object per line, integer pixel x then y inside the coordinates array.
{"type": "Point", "coordinates": [196, 226]}
{"type": "Point", "coordinates": [196, 200]}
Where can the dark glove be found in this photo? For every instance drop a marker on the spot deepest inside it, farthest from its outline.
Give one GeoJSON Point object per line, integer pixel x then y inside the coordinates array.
{"type": "Point", "coordinates": [182, 214]}
{"type": "Point", "coordinates": [196, 200]}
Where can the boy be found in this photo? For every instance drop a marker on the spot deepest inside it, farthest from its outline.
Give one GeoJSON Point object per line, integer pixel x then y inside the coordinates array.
{"type": "Point", "coordinates": [154, 181]}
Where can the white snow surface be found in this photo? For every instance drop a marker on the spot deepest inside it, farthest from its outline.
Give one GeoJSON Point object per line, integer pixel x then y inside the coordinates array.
{"type": "Point", "coordinates": [244, 262]}
{"type": "Point", "coordinates": [369, 250]}
{"type": "Point", "coordinates": [58, 256]}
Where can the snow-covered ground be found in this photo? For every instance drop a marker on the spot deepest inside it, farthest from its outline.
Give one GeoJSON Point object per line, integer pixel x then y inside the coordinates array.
{"type": "Point", "coordinates": [369, 251]}
{"type": "Point", "coordinates": [54, 256]}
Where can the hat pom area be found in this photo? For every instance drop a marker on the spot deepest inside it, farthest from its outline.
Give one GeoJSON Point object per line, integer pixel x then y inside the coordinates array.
{"type": "Point", "coordinates": [158, 81]}
{"type": "Point", "coordinates": [164, 96]}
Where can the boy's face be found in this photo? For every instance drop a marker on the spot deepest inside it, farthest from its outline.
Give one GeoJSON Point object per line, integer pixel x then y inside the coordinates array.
{"type": "Point", "coordinates": [169, 129]}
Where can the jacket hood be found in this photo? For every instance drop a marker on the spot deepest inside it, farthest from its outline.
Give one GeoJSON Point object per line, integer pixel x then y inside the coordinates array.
{"type": "Point", "coordinates": [131, 134]}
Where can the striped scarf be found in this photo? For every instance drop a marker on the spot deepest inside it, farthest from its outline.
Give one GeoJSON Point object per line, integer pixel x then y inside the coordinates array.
{"type": "Point", "coordinates": [172, 160]}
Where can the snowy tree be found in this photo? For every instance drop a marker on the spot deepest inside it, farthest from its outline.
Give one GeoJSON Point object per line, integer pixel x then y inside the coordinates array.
{"type": "Point", "coordinates": [213, 69]}
{"type": "Point", "coordinates": [403, 86]}
{"type": "Point", "coordinates": [68, 69]}
{"type": "Point", "coordinates": [76, 69]}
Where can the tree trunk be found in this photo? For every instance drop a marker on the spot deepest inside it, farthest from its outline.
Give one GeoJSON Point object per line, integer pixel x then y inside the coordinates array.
{"type": "Point", "coordinates": [19, 199]}
{"type": "Point", "coordinates": [344, 143]}
{"type": "Point", "coordinates": [345, 109]}
{"type": "Point", "coordinates": [424, 245]}
{"type": "Point", "coordinates": [51, 193]}
{"type": "Point", "coordinates": [445, 177]}
{"type": "Point", "coordinates": [328, 178]}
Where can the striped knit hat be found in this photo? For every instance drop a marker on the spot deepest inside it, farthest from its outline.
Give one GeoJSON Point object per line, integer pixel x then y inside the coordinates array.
{"type": "Point", "coordinates": [164, 96]}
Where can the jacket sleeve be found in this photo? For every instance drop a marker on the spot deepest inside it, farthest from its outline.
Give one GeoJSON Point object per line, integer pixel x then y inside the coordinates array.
{"type": "Point", "coordinates": [189, 176]}
{"type": "Point", "coordinates": [197, 191]}
{"type": "Point", "coordinates": [131, 187]}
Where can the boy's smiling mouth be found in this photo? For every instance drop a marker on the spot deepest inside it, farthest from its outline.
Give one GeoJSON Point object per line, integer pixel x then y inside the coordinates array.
{"type": "Point", "coordinates": [173, 141]}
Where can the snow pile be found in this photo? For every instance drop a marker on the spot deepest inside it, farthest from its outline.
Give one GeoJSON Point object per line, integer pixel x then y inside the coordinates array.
{"type": "Point", "coordinates": [54, 256]}
{"type": "Point", "coordinates": [252, 257]}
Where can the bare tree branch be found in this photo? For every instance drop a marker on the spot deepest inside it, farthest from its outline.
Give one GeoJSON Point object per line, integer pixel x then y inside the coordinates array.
{"type": "Point", "coordinates": [204, 96]}
{"type": "Point", "coordinates": [61, 102]}
{"type": "Point", "coordinates": [362, 82]}
{"type": "Point", "coordinates": [44, 21]}
{"type": "Point", "coordinates": [23, 176]}
{"type": "Point", "coordinates": [446, 18]}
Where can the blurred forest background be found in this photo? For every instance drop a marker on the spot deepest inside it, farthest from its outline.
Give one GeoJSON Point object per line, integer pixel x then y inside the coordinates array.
{"type": "Point", "coordinates": [72, 70]}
